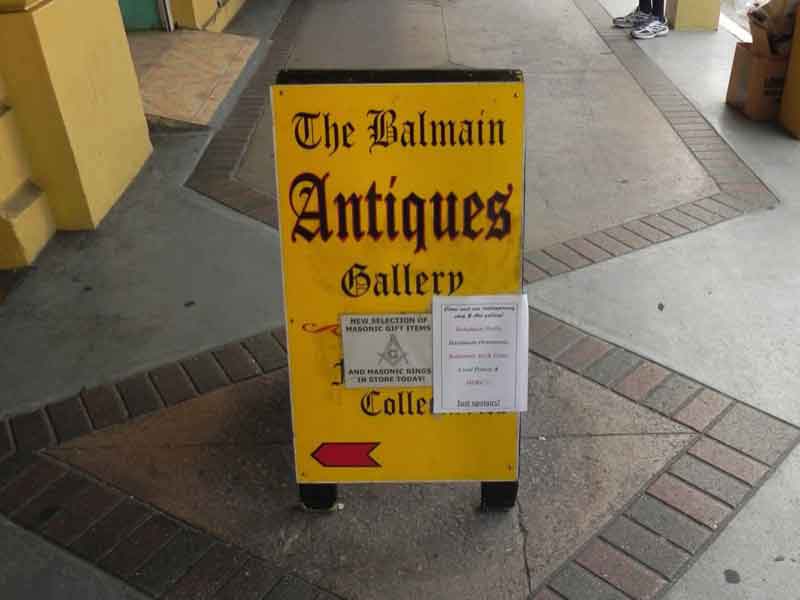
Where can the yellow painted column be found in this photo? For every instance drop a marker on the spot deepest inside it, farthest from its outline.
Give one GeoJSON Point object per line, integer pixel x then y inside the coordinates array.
{"type": "Point", "coordinates": [694, 15]}
{"type": "Point", "coordinates": [205, 14]}
{"type": "Point", "coordinates": [70, 78]}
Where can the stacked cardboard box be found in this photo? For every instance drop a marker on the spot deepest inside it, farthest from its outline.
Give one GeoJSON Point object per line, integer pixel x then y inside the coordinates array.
{"type": "Point", "coordinates": [758, 77]}
{"type": "Point", "coordinates": [790, 106]}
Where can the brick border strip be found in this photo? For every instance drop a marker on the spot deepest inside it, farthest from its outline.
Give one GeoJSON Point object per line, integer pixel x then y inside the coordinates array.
{"type": "Point", "coordinates": [150, 550]}
{"type": "Point", "coordinates": [741, 191]}
{"type": "Point", "coordinates": [663, 529]}
{"type": "Point", "coordinates": [214, 174]}
{"type": "Point", "coordinates": [143, 393]}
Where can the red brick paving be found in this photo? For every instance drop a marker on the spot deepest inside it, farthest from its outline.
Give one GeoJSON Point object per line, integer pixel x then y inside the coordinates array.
{"type": "Point", "coordinates": [638, 384]}
{"type": "Point", "coordinates": [39, 510]}
{"type": "Point", "coordinates": [252, 582]}
{"type": "Point", "coordinates": [143, 543]}
{"type": "Point", "coordinates": [689, 500]}
{"type": "Point", "coordinates": [205, 372]}
{"type": "Point", "coordinates": [139, 395]}
{"type": "Point", "coordinates": [701, 411]}
{"type": "Point", "coordinates": [209, 575]}
{"type": "Point", "coordinates": [567, 256]}
{"type": "Point", "coordinates": [104, 406]}
{"type": "Point", "coordinates": [69, 419]}
{"type": "Point", "coordinates": [584, 353]}
{"type": "Point", "coordinates": [729, 460]}
{"type": "Point", "coordinates": [110, 530]}
{"type": "Point", "coordinates": [32, 431]}
{"type": "Point", "coordinates": [589, 250]}
{"type": "Point", "coordinates": [644, 230]}
{"type": "Point", "coordinates": [35, 478]}
{"type": "Point", "coordinates": [621, 571]}
{"type": "Point", "coordinates": [173, 384]}
{"type": "Point", "coordinates": [79, 513]}
{"type": "Point", "coordinates": [237, 362]}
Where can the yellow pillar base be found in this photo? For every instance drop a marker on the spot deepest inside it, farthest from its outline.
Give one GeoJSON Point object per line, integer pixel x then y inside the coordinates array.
{"type": "Point", "coordinates": [26, 225]}
{"type": "Point", "coordinates": [71, 82]}
{"type": "Point", "coordinates": [694, 15]}
{"type": "Point", "coordinates": [205, 14]}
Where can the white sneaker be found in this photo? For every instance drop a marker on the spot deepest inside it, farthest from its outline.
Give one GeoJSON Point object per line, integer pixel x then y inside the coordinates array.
{"type": "Point", "coordinates": [654, 29]}
{"type": "Point", "coordinates": [634, 19]}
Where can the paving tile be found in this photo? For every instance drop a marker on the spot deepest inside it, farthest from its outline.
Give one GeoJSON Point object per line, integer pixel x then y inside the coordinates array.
{"type": "Point", "coordinates": [173, 384]}
{"type": "Point", "coordinates": [711, 205]}
{"type": "Point", "coordinates": [209, 575]}
{"type": "Point", "coordinates": [755, 433]}
{"type": "Point", "coordinates": [32, 480]}
{"type": "Point", "coordinates": [736, 203]}
{"type": "Point", "coordinates": [531, 273]}
{"type": "Point", "coordinates": [171, 562]}
{"type": "Point", "coordinates": [647, 547]}
{"type": "Point", "coordinates": [237, 362]}
{"type": "Point", "coordinates": [729, 460]}
{"type": "Point", "coordinates": [711, 480]}
{"type": "Point", "coordinates": [252, 582]}
{"type": "Point", "coordinates": [628, 238]}
{"type": "Point", "coordinates": [546, 263]}
{"type": "Point", "coordinates": [642, 229]}
{"type": "Point", "coordinates": [69, 419]}
{"type": "Point", "coordinates": [43, 507]}
{"type": "Point", "coordinates": [612, 367]}
{"type": "Point", "coordinates": [542, 325]}
{"type": "Point", "coordinates": [584, 353]}
{"type": "Point", "coordinates": [143, 543]}
{"type": "Point", "coordinates": [620, 570]}
{"type": "Point", "coordinates": [6, 441]}
{"type": "Point", "coordinates": [669, 523]}
{"type": "Point", "coordinates": [589, 250]}
{"type": "Point", "coordinates": [700, 214]}
{"type": "Point", "coordinates": [755, 195]}
{"type": "Point", "coordinates": [80, 512]}
{"type": "Point", "coordinates": [13, 466]}
{"type": "Point", "coordinates": [665, 225]}
{"type": "Point", "coordinates": [683, 219]}
{"type": "Point", "coordinates": [110, 530]}
{"type": "Point", "coordinates": [689, 500]}
{"type": "Point", "coordinates": [557, 341]}
{"type": "Point", "coordinates": [701, 411]}
{"type": "Point", "coordinates": [267, 351]}
{"type": "Point", "coordinates": [547, 594]}
{"type": "Point", "coordinates": [32, 431]}
{"type": "Point", "coordinates": [724, 154]}
{"type": "Point", "coordinates": [205, 372]}
{"type": "Point", "coordinates": [608, 244]}
{"type": "Point", "coordinates": [292, 587]}
{"type": "Point", "coordinates": [671, 394]}
{"type": "Point", "coordinates": [640, 382]}
{"type": "Point", "coordinates": [574, 582]}
{"type": "Point", "coordinates": [567, 256]}
{"type": "Point", "coordinates": [139, 395]}
{"type": "Point", "coordinates": [104, 406]}
{"type": "Point", "coordinates": [733, 175]}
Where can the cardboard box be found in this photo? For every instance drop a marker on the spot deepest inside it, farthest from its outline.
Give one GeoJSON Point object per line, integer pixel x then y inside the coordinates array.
{"type": "Point", "coordinates": [693, 15]}
{"type": "Point", "coordinates": [790, 106]}
{"type": "Point", "coordinates": [772, 37]}
{"type": "Point", "coordinates": [756, 84]}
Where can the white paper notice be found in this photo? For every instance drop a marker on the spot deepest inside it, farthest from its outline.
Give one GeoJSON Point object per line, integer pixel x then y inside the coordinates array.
{"type": "Point", "coordinates": [480, 354]}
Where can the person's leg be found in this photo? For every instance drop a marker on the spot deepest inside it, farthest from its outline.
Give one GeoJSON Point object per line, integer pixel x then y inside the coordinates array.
{"type": "Point", "coordinates": [657, 27]}
{"type": "Point", "coordinates": [639, 16]}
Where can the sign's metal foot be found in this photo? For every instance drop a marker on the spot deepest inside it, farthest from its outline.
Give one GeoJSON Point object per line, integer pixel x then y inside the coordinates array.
{"type": "Point", "coordinates": [318, 496]}
{"type": "Point", "coordinates": [498, 495]}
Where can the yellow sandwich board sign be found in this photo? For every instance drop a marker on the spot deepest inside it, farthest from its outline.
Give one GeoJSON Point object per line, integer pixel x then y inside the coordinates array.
{"type": "Point", "coordinates": [393, 187]}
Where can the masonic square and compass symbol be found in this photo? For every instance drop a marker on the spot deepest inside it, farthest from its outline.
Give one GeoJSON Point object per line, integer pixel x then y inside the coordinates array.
{"type": "Point", "coordinates": [393, 353]}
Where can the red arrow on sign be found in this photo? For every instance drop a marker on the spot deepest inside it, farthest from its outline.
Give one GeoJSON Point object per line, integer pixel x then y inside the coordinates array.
{"type": "Point", "coordinates": [346, 454]}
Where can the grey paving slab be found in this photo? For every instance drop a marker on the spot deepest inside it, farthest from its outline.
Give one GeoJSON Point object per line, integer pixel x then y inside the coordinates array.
{"type": "Point", "coordinates": [32, 568]}
{"type": "Point", "coordinates": [562, 403]}
{"type": "Point", "coordinates": [576, 583]}
{"type": "Point", "coordinates": [669, 523]}
{"type": "Point", "coordinates": [760, 546]}
{"type": "Point", "coordinates": [102, 305]}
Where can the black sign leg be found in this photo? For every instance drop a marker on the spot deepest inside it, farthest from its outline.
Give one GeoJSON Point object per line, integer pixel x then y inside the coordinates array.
{"type": "Point", "coordinates": [498, 495]}
{"type": "Point", "coordinates": [318, 496]}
